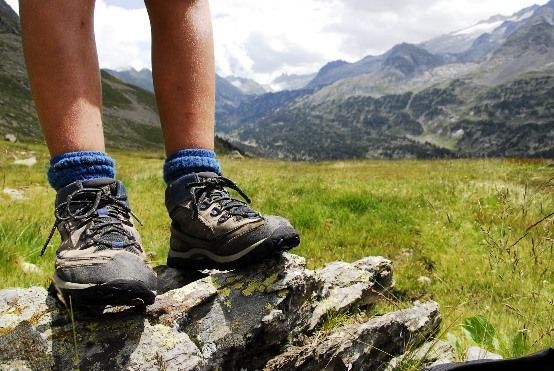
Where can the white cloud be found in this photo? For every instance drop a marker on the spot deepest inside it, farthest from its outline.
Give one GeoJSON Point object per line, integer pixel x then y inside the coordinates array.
{"type": "Point", "coordinates": [14, 4]}
{"type": "Point", "coordinates": [265, 38]}
{"type": "Point", "coordinates": [122, 36]}
{"type": "Point", "coordinates": [262, 39]}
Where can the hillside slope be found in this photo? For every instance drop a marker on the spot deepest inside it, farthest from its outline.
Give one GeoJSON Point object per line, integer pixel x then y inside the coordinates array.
{"type": "Point", "coordinates": [227, 96]}
{"type": "Point", "coordinates": [130, 114]}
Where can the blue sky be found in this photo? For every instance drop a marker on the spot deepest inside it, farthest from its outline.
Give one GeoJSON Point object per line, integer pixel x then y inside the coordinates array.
{"type": "Point", "coordinates": [263, 39]}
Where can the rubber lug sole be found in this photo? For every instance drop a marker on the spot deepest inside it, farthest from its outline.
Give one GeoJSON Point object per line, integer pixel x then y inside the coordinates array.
{"type": "Point", "coordinates": [117, 292]}
{"type": "Point", "coordinates": [270, 247]}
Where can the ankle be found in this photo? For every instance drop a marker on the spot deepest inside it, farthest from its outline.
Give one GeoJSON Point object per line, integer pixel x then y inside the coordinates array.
{"type": "Point", "coordinates": [83, 165]}
{"type": "Point", "coordinates": [187, 161]}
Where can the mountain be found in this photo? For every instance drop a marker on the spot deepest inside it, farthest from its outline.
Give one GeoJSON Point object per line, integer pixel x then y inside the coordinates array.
{"type": "Point", "coordinates": [471, 45]}
{"type": "Point", "coordinates": [529, 48]}
{"type": "Point", "coordinates": [457, 119]}
{"type": "Point", "coordinates": [401, 62]}
{"type": "Point", "coordinates": [337, 70]}
{"type": "Point", "coordinates": [492, 95]}
{"type": "Point", "coordinates": [142, 78]}
{"type": "Point", "coordinates": [474, 43]}
{"type": "Point", "coordinates": [291, 82]}
{"type": "Point", "coordinates": [130, 114]}
{"type": "Point", "coordinates": [227, 96]}
{"type": "Point", "coordinates": [247, 86]}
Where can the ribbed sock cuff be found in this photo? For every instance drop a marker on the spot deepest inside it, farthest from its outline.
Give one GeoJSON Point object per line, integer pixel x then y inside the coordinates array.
{"type": "Point", "coordinates": [72, 166]}
{"type": "Point", "coordinates": [188, 161]}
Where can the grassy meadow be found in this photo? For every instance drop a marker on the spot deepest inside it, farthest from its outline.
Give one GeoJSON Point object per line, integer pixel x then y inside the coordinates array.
{"type": "Point", "coordinates": [481, 231]}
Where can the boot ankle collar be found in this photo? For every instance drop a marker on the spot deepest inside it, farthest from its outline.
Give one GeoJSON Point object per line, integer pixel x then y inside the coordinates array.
{"type": "Point", "coordinates": [177, 192]}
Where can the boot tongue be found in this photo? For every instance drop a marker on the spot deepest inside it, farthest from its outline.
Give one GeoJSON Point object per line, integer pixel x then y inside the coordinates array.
{"type": "Point", "coordinates": [207, 174]}
{"type": "Point", "coordinates": [110, 186]}
{"type": "Point", "coordinates": [98, 182]}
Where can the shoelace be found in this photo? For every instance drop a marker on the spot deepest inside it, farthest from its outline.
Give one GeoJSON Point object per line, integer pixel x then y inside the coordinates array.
{"type": "Point", "coordinates": [212, 190]}
{"type": "Point", "coordinates": [83, 205]}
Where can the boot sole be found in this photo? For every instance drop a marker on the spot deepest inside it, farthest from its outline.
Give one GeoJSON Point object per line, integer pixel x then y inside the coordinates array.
{"type": "Point", "coordinates": [198, 258]}
{"type": "Point", "coordinates": [116, 292]}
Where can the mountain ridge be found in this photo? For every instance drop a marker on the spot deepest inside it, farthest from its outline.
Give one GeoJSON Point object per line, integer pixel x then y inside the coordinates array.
{"type": "Point", "coordinates": [409, 102]}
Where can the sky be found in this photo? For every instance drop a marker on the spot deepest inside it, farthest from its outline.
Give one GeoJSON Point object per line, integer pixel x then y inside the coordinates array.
{"type": "Point", "coordinates": [263, 39]}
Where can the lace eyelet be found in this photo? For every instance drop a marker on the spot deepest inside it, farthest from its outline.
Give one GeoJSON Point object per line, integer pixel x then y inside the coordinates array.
{"type": "Point", "coordinates": [223, 219]}
{"type": "Point", "coordinates": [214, 212]}
{"type": "Point", "coordinates": [203, 207]}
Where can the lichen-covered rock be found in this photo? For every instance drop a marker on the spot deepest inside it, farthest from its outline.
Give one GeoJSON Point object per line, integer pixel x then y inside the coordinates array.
{"type": "Point", "coordinates": [345, 288]}
{"type": "Point", "coordinates": [366, 346]}
{"type": "Point", "coordinates": [204, 320]}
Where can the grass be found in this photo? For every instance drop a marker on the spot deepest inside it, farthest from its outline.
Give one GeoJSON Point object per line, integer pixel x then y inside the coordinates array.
{"type": "Point", "coordinates": [465, 224]}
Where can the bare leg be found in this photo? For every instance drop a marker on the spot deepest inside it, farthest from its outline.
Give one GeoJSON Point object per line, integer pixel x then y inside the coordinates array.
{"type": "Point", "coordinates": [62, 63]}
{"type": "Point", "coordinates": [183, 70]}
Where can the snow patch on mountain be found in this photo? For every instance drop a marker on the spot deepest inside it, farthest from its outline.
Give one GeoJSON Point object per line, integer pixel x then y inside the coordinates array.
{"type": "Point", "coordinates": [478, 29]}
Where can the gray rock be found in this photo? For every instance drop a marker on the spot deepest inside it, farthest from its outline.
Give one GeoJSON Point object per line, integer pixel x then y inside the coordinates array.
{"type": "Point", "coordinates": [15, 366]}
{"type": "Point", "coordinates": [31, 161]}
{"type": "Point", "coordinates": [430, 354]}
{"type": "Point", "coordinates": [235, 155]}
{"type": "Point", "coordinates": [30, 268]}
{"type": "Point", "coordinates": [229, 320]}
{"type": "Point", "coordinates": [344, 288]}
{"type": "Point", "coordinates": [475, 353]}
{"type": "Point", "coordinates": [366, 346]}
{"type": "Point", "coordinates": [10, 138]}
{"type": "Point", "coordinates": [424, 280]}
{"type": "Point", "coordinates": [14, 194]}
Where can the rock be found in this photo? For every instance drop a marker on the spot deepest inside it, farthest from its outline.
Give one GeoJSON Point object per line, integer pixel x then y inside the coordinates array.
{"type": "Point", "coordinates": [26, 162]}
{"type": "Point", "coordinates": [235, 155]}
{"type": "Point", "coordinates": [10, 138]}
{"type": "Point", "coordinates": [366, 346]}
{"type": "Point", "coordinates": [430, 354]}
{"type": "Point", "coordinates": [30, 268]}
{"type": "Point", "coordinates": [15, 366]}
{"type": "Point", "coordinates": [344, 288]}
{"type": "Point", "coordinates": [475, 353]}
{"type": "Point", "coordinates": [218, 319]}
{"type": "Point", "coordinates": [424, 280]}
{"type": "Point", "coordinates": [15, 194]}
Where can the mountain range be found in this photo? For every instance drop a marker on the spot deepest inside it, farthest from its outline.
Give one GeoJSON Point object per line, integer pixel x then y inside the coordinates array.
{"type": "Point", "coordinates": [487, 90]}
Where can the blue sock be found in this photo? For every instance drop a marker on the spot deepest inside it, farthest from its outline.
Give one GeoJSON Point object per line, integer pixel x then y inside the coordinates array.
{"type": "Point", "coordinates": [72, 166]}
{"type": "Point", "coordinates": [188, 161]}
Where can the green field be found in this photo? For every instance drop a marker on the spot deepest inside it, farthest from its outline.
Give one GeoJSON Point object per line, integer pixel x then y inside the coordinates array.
{"type": "Point", "coordinates": [482, 231]}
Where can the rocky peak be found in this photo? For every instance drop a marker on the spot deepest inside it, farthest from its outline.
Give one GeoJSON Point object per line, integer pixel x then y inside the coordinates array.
{"type": "Point", "coordinates": [332, 65]}
{"type": "Point", "coordinates": [409, 58]}
{"type": "Point", "coordinates": [536, 37]}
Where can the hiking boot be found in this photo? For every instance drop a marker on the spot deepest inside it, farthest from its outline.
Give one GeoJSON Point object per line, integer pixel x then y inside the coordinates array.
{"type": "Point", "coordinates": [100, 260]}
{"type": "Point", "coordinates": [210, 229]}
